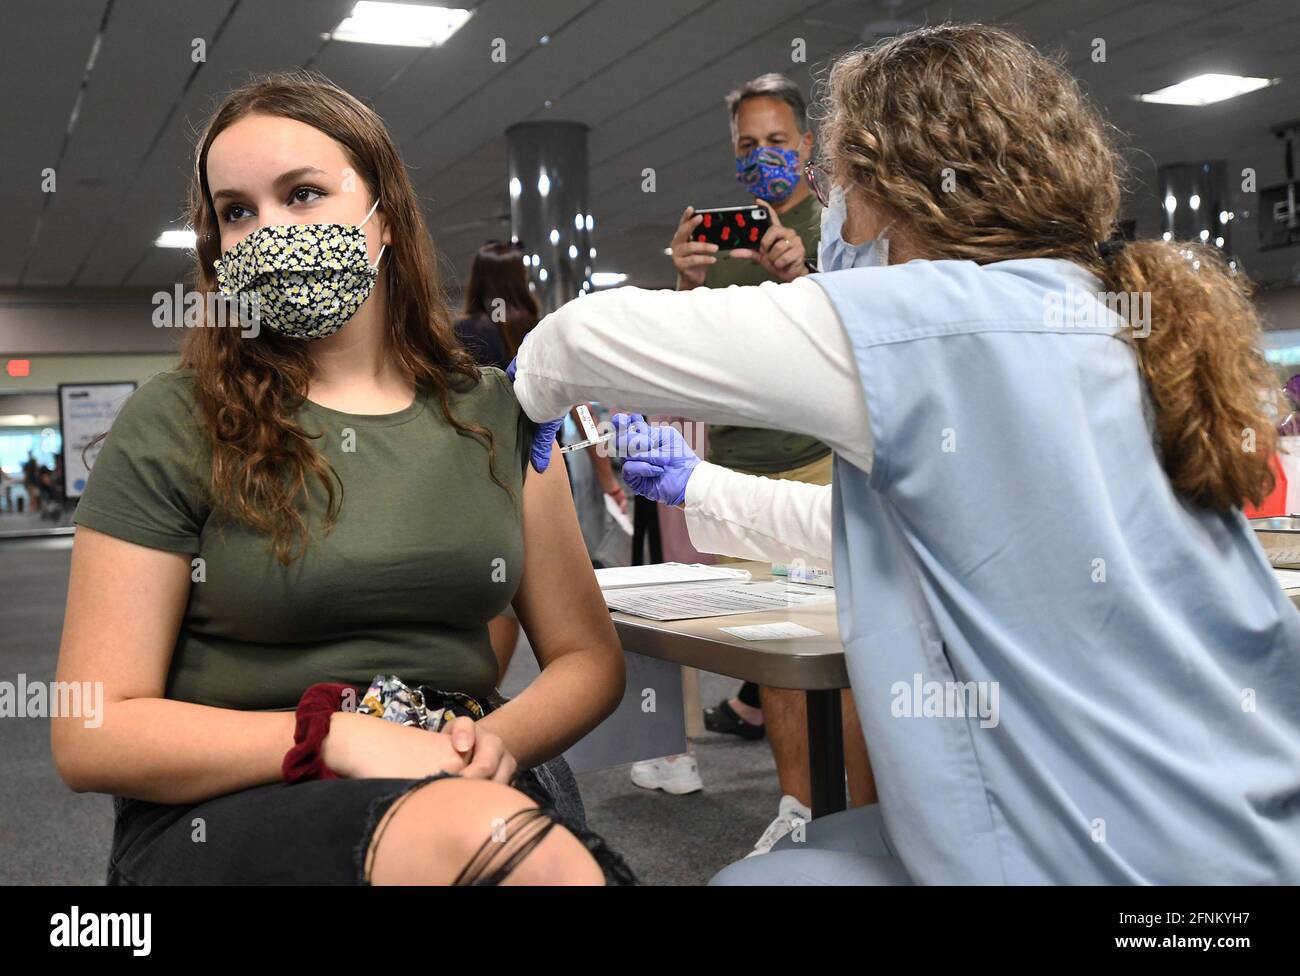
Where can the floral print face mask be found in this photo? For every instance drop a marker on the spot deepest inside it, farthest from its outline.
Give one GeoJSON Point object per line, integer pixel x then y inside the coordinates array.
{"type": "Point", "coordinates": [305, 280]}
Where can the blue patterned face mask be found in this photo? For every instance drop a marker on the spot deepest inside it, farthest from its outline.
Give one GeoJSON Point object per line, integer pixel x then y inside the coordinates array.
{"type": "Point", "coordinates": [834, 253]}
{"type": "Point", "coordinates": [769, 173]}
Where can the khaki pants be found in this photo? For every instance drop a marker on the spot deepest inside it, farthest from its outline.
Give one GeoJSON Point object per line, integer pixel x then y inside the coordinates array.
{"type": "Point", "coordinates": [815, 473]}
{"type": "Point", "coordinates": [783, 708]}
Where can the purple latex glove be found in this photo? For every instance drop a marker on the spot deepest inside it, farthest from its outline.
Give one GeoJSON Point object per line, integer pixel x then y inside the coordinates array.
{"type": "Point", "coordinates": [1292, 389]}
{"type": "Point", "coordinates": [659, 461]}
{"type": "Point", "coordinates": [545, 436]}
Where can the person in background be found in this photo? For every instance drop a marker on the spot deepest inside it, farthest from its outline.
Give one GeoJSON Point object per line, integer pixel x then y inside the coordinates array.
{"type": "Point", "coordinates": [499, 307]}
{"type": "Point", "coordinates": [499, 311]}
{"type": "Point", "coordinates": [771, 141]}
{"type": "Point", "coordinates": [31, 481]}
{"type": "Point", "coordinates": [49, 505]}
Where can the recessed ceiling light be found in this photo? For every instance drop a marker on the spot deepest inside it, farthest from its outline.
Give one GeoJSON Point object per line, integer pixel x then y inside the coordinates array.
{"type": "Point", "coordinates": [603, 279]}
{"type": "Point", "coordinates": [400, 24]}
{"type": "Point", "coordinates": [1206, 89]}
{"type": "Point", "coordinates": [176, 238]}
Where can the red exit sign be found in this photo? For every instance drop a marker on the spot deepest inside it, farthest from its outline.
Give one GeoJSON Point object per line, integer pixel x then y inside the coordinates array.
{"type": "Point", "coordinates": [19, 367]}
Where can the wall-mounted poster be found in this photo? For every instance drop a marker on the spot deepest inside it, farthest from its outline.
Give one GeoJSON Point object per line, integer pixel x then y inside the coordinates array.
{"type": "Point", "coordinates": [86, 410]}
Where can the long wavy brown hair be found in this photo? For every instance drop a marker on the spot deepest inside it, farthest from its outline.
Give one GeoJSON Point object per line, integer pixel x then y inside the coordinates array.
{"type": "Point", "coordinates": [249, 390]}
{"type": "Point", "coordinates": [980, 148]}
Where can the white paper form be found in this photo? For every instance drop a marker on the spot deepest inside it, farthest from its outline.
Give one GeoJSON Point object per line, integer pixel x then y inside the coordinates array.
{"type": "Point", "coordinates": [785, 630]}
{"type": "Point", "coordinates": [619, 518]}
{"type": "Point", "coordinates": [691, 600]}
{"type": "Point", "coordinates": [1289, 578]}
{"type": "Point", "coordinates": [612, 577]}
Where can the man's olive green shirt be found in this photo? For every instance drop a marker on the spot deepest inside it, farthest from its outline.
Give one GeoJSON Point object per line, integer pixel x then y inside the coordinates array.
{"type": "Point", "coordinates": [752, 449]}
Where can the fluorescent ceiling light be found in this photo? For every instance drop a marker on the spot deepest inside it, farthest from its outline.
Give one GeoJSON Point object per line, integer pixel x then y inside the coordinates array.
{"type": "Point", "coordinates": [603, 279]}
{"type": "Point", "coordinates": [176, 238]}
{"type": "Point", "coordinates": [401, 24]}
{"type": "Point", "coordinates": [1205, 89]}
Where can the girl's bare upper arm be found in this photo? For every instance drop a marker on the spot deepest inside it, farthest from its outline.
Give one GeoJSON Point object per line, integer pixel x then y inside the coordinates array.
{"type": "Point", "coordinates": [558, 602]}
{"type": "Point", "coordinates": [125, 604]}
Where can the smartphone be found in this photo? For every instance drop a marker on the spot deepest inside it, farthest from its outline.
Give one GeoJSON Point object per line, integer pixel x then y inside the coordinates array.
{"type": "Point", "coordinates": [732, 227]}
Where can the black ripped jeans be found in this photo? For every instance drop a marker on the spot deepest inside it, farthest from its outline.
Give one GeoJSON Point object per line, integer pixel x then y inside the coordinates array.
{"type": "Point", "coordinates": [316, 832]}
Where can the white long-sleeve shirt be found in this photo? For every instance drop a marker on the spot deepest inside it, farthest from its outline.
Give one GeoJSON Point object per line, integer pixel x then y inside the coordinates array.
{"type": "Point", "coordinates": [751, 517]}
{"type": "Point", "coordinates": [771, 355]}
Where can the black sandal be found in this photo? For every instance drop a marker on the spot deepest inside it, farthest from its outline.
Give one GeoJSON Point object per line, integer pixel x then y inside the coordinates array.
{"type": "Point", "coordinates": [724, 719]}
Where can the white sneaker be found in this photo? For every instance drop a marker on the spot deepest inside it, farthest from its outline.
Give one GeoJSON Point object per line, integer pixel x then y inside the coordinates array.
{"type": "Point", "coordinates": [672, 774]}
{"type": "Point", "coordinates": [790, 814]}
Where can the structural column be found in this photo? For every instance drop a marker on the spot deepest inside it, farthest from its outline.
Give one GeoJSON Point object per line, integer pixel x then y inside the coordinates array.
{"type": "Point", "coordinates": [1194, 203]}
{"type": "Point", "coordinates": [549, 212]}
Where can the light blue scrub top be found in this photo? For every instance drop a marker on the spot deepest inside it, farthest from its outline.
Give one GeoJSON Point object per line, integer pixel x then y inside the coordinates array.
{"type": "Point", "coordinates": [1017, 532]}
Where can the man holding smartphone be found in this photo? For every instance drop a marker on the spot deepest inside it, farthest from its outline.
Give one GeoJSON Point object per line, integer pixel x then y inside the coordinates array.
{"type": "Point", "coordinates": [771, 141]}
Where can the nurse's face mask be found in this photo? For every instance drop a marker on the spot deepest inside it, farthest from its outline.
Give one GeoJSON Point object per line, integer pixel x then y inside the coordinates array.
{"type": "Point", "coordinates": [834, 253]}
{"type": "Point", "coordinates": [307, 280]}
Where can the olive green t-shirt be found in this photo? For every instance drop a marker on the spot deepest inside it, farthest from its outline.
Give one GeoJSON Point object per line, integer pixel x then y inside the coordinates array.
{"type": "Point", "coordinates": [753, 449]}
{"type": "Point", "coordinates": [426, 550]}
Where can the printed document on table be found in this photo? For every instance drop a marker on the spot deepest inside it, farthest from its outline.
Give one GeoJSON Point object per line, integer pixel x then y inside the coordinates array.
{"type": "Point", "coordinates": [686, 602]}
{"type": "Point", "coordinates": [656, 573]}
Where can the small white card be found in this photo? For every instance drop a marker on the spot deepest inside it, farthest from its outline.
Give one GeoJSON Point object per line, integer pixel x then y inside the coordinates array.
{"type": "Point", "coordinates": [782, 631]}
{"type": "Point", "coordinates": [1289, 578]}
{"type": "Point", "coordinates": [623, 521]}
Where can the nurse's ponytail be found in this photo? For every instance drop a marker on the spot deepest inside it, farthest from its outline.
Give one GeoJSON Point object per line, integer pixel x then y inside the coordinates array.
{"type": "Point", "coordinates": [1199, 354]}
{"type": "Point", "coordinates": [977, 147]}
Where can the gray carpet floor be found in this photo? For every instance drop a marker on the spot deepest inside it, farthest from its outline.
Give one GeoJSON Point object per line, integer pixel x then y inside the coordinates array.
{"type": "Point", "coordinates": [50, 835]}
